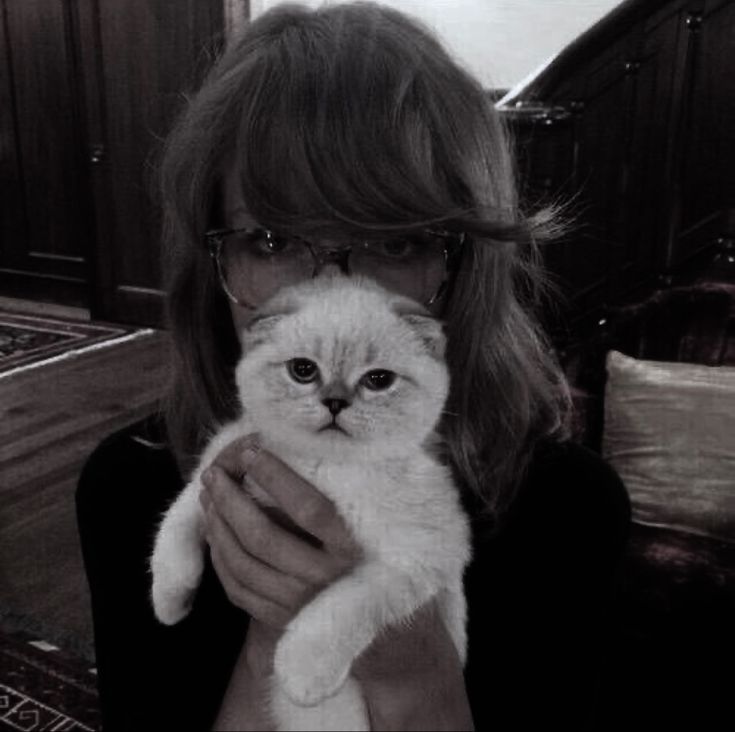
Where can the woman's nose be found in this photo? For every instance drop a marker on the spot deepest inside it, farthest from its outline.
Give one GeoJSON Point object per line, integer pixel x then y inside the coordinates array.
{"type": "Point", "coordinates": [331, 269]}
{"type": "Point", "coordinates": [334, 261]}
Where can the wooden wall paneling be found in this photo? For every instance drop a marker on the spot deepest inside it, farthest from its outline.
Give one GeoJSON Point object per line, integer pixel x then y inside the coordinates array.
{"type": "Point", "coordinates": [50, 262]}
{"type": "Point", "coordinates": [603, 160]}
{"type": "Point", "coordinates": [13, 228]}
{"type": "Point", "coordinates": [544, 156]}
{"type": "Point", "coordinates": [653, 90]}
{"type": "Point", "coordinates": [706, 177]}
{"type": "Point", "coordinates": [544, 145]}
{"type": "Point", "coordinates": [658, 71]}
{"type": "Point", "coordinates": [151, 52]}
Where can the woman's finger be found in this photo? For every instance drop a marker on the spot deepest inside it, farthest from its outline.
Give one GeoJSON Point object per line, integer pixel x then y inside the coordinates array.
{"type": "Point", "coordinates": [298, 499]}
{"type": "Point", "coordinates": [310, 509]}
{"type": "Point", "coordinates": [247, 570]}
{"type": "Point", "coordinates": [230, 458]}
{"type": "Point", "coordinates": [265, 540]}
{"type": "Point", "coordinates": [255, 605]}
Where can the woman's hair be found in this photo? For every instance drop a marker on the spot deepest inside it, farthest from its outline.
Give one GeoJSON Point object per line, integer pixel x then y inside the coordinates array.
{"type": "Point", "coordinates": [353, 116]}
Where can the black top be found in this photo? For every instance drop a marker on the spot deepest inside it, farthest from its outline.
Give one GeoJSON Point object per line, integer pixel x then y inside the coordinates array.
{"type": "Point", "coordinates": [539, 595]}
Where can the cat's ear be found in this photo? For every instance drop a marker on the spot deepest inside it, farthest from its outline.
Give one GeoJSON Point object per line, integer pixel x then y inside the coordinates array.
{"type": "Point", "coordinates": [430, 331]}
{"type": "Point", "coordinates": [260, 327]}
{"type": "Point", "coordinates": [259, 330]}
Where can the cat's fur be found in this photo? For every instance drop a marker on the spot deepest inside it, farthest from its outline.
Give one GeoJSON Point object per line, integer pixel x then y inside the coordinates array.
{"type": "Point", "coordinates": [385, 479]}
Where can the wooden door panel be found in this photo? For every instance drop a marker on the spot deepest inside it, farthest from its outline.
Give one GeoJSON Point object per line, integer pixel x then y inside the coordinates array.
{"type": "Point", "coordinates": [48, 177]}
{"type": "Point", "coordinates": [151, 52]}
{"type": "Point", "coordinates": [13, 231]}
{"type": "Point", "coordinates": [602, 175]}
{"type": "Point", "coordinates": [658, 71]}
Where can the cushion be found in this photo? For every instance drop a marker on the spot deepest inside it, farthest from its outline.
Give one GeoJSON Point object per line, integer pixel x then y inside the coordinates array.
{"type": "Point", "coordinates": [669, 432]}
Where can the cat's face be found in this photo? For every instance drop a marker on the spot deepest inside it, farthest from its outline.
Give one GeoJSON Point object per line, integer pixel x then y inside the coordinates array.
{"type": "Point", "coordinates": [339, 365]}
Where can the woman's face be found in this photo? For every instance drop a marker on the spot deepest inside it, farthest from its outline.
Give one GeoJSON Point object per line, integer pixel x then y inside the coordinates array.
{"type": "Point", "coordinates": [236, 216]}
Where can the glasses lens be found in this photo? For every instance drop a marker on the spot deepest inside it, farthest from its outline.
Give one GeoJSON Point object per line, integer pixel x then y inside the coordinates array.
{"type": "Point", "coordinates": [255, 265]}
{"type": "Point", "coordinates": [411, 265]}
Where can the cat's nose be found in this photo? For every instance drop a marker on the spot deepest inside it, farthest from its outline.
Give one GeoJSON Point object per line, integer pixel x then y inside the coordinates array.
{"type": "Point", "coordinates": [335, 406]}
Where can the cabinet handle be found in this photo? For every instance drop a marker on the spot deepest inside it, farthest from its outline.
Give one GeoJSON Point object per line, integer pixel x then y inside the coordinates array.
{"type": "Point", "coordinates": [694, 21]}
{"type": "Point", "coordinates": [97, 154]}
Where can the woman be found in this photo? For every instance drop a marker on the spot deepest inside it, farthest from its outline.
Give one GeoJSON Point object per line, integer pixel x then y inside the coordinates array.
{"type": "Point", "coordinates": [317, 129]}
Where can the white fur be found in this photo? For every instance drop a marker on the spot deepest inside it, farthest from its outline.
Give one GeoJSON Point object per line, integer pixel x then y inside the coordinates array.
{"type": "Point", "coordinates": [384, 478]}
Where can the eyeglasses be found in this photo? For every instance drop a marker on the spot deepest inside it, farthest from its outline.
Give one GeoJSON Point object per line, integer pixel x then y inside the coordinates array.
{"type": "Point", "coordinates": [253, 264]}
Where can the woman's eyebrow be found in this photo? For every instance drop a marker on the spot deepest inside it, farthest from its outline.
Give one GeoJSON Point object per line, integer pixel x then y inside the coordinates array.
{"type": "Point", "coordinates": [241, 213]}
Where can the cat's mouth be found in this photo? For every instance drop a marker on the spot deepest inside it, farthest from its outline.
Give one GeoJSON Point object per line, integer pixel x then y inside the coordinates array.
{"type": "Point", "coordinates": [332, 426]}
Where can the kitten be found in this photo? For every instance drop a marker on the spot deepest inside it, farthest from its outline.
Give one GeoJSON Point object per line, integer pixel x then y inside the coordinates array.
{"type": "Point", "coordinates": [383, 354]}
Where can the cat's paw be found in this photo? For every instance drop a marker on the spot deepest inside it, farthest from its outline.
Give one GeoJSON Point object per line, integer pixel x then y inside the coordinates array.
{"type": "Point", "coordinates": [306, 670]}
{"type": "Point", "coordinates": [173, 589]}
{"type": "Point", "coordinates": [171, 605]}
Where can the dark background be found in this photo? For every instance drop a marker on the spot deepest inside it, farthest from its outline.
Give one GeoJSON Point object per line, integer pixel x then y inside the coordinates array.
{"type": "Point", "coordinates": [633, 122]}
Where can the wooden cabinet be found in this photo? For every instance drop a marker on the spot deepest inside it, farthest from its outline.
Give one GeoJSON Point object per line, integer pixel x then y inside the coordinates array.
{"type": "Point", "coordinates": [88, 90]}
{"type": "Point", "coordinates": [602, 176]}
{"type": "Point", "coordinates": [656, 67]}
{"type": "Point", "coordinates": [148, 54]}
{"type": "Point", "coordinates": [44, 192]}
{"type": "Point", "coordinates": [705, 177]}
{"type": "Point", "coordinates": [545, 161]}
{"type": "Point", "coordinates": [651, 95]}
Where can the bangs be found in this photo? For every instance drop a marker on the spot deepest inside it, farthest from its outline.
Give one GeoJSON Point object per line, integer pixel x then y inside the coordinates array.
{"type": "Point", "coordinates": [354, 124]}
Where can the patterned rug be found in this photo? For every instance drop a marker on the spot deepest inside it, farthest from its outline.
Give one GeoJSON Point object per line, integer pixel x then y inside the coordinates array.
{"type": "Point", "coordinates": [29, 339]}
{"type": "Point", "coordinates": [42, 688]}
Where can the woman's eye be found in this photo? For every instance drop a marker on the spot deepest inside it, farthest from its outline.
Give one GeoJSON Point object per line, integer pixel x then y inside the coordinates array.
{"type": "Point", "coordinates": [378, 380]}
{"type": "Point", "coordinates": [394, 248]}
{"type": "Point", "coordinates": [302, 370]}
{"type": "Point", "coordinates": [267, 244]}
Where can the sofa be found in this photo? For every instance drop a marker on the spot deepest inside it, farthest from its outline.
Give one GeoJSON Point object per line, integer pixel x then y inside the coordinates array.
{"type": "Point", "coordinates": [654, 393]}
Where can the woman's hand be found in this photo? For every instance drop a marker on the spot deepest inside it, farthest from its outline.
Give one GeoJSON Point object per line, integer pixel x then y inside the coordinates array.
{"type": "Point", "coordinates": [271, 561]}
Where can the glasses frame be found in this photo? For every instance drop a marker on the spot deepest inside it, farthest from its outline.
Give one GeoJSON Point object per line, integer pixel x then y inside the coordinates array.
{"type": "Point", "coordinates": [215, 240]}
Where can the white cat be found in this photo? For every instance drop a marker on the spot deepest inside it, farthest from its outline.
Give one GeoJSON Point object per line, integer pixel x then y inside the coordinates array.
{"type": "Point", "coordinates": [341, 338]}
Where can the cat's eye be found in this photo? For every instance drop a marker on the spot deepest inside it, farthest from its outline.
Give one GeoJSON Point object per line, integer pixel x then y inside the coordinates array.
{"type": "Point", "coordinates": [302, 370]}
{"type": "Point", "coordinates": [378, 380]}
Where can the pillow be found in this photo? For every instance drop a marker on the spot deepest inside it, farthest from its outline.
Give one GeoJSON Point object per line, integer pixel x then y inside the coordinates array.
{"type": "Point", "coordinates": [670, 434]}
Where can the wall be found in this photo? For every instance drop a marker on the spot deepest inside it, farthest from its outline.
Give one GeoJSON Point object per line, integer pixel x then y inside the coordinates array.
{"type": "Point", "coordinates": [500, 41]}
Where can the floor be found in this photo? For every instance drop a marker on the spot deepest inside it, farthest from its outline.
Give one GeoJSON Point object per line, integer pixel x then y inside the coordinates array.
{"type": "Point", "coordinates": [51, 418]}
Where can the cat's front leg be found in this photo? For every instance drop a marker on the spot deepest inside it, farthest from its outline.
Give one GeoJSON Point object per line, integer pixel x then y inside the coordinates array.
{"type": "Point", "coordinates": [315, 654]}
{"type": "Point", "coordinates": [178, 557]}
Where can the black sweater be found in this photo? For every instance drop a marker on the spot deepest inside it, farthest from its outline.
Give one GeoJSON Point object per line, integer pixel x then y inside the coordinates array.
{"type": "Point", "coordinates": [539, 595]}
